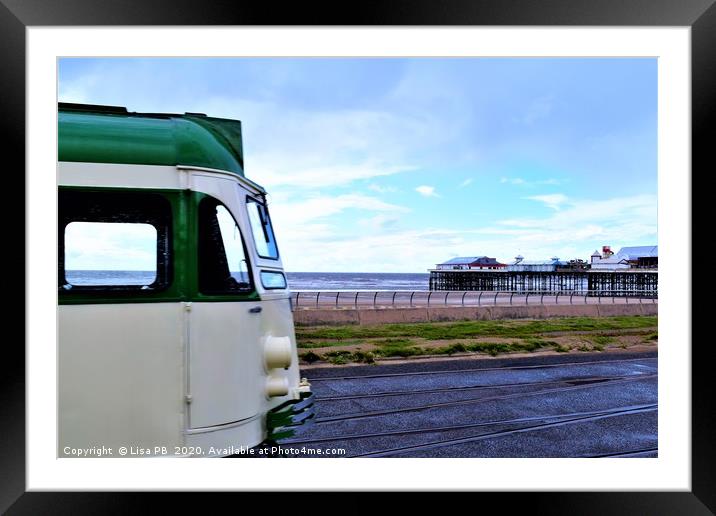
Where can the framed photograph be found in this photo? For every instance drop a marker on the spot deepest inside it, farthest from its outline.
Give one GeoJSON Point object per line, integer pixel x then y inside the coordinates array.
{"type": "Point", "coordinates": [46, 48]}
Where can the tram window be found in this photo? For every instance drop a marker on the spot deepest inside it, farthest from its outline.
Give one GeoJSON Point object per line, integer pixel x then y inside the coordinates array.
{"type": "Point", "coordinates": [110, 253]}
{"type": "Point", "coordinates": [223, 268]}
{"type": "Point", "coordinates": [112, 241]}
{"type": "Point", "coordinates": [261, 229]}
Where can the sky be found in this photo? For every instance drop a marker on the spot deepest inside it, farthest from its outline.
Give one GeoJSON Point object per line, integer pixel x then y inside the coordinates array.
{"type": "Point", "coordinates": [396, 164]}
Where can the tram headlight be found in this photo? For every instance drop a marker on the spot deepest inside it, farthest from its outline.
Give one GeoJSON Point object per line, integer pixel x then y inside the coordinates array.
{"type": "Point", "coordinates": [276, 386]}
{"type": "Point", "coordinates": [277, 352]}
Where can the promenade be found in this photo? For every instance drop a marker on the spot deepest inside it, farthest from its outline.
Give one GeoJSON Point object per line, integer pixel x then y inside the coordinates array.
{"type": "Point", "coordinates": [362, 307]}
{"type": "Point", "coordinates": [426, 298]}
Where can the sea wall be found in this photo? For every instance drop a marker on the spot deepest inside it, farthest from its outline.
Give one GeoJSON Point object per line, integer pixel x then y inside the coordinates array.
{"type": "Point", "coordinates": [366, 316]}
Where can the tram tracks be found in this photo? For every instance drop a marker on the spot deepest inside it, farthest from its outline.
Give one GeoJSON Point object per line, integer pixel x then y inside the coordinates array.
{"type": "Point", "coordinates": [630, 453]}
{"type": "Point", "coordinates": [573, 381]}
{"type": "Point", "coordinates": [416, 413]}
{"type": "Point", "coordinates": [474, 370]}
{"type": "Point", "coordinates": [398, 450]}
{"type": "Point", "coordinates": [482, 424]}
{"type": "Point", "coordinates": [417, 408]}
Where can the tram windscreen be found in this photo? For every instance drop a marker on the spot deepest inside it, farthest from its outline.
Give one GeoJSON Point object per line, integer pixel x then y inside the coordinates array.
{"type": "Point", "coordinates": [261, 229]}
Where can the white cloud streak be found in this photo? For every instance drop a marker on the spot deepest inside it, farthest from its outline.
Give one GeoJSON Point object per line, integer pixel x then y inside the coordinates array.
{"type": "Point", "coordinates": [426, 191]}
{"type": "Point", "coordinates": [512, 180]}
{"type": "Point", "coordinates": [522, 182]}
{"type": "Point", "coordinates": [381, 189]}
{"type": "Point", "coordinates": [377, 245]}
{"type": "Point", "coordinates": [285, 145]}
{"type": "Point", "coordinates": [105, 246]}
{"type": "Point", "coordinates": [293, 214]}
{"type": "Point", "coordinates": [553, 201]}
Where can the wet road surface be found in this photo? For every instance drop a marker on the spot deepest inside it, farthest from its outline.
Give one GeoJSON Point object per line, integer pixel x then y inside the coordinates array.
{"type": "Point", "coordinates": [595, 405]}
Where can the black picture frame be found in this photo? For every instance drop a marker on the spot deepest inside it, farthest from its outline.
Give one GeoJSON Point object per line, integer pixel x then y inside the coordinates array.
{"type": "Point", "coordinates": [17, 15]}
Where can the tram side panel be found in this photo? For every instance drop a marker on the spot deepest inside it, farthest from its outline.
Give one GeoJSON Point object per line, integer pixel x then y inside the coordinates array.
{"type": "Point", "coordinates": [131, 358]}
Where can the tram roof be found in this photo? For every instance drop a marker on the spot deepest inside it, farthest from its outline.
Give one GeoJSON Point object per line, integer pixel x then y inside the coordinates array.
{"type": "Point", "coordinates": [109, 134]}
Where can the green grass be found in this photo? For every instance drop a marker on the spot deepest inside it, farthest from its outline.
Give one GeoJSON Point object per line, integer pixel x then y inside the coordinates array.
{"type": "Point", "coordinates": [401, 348]}
{"type": "Point", "coordinates": [338, 357]}
{"type": "Point", "coordinates": [404, 339]}
{"type": "Point", "coordinates": [468, 329]}
{"type": "Point", "coordinates": [364, 356]}
{"type": "Point", "coordinates": [397, 347]}
{"type": "Point", "coordinates": [368, 357]}
{"type": "Point", "coordinates": [309, 357]}
{"type": "Point", "coordinates": [308, 344]}
{"type": "Point", "coordinates": [651, 337]}
{"type": "Point", "coordinates": [400, 351]}
{"type": "Point", "coordinates": [532, 344]}
{"type": "Point", "coordinates": [458, 347]}
{"type": "Point", "coordinates": [492, 348]}
{"type": "Point", "coordinates": [450, 349]}
{"type": "Point", "coordinates": [343, 357]}
{"type": "Point", "coordinates": [393, 342]}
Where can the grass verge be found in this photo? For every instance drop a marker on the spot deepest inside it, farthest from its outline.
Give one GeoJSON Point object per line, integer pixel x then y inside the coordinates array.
{"type": "Point", "coordinates": [463, 329]}
{"type": "Point", "coordinates": [368, 343]}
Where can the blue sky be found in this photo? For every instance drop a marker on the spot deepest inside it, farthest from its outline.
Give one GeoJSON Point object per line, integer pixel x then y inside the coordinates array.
{"type": "Point", "coordinates": [393, 165]}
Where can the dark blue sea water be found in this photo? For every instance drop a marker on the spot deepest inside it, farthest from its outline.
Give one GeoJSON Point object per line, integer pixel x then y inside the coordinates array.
{"type": "Point", "coordinates": [86, 278]}
{"type": "Point", "coordinates": [357, 281]}
{"type": "Point", "coordinates": [296, 280]}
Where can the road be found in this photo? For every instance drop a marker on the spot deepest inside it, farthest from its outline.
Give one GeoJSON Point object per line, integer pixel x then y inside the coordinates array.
{"type": "Point", "coordinates": [596, 405]}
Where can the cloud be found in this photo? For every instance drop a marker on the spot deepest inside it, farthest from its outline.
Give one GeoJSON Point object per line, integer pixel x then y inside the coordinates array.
{"type": "Point", "coordinates": [296, 213]}
{"type": "Point", "coordinates": [466, 182]}
{"type": "Point", "coordinates": [320, 176]}
{"type": "Point", "coordinates": [571, 233]}
{"type": "Point", "coordinates": [618, 219]}
{"type": "Point", "coordinates": [285, 143]}
{"type": "Point", "coordinates": [522, 182]}
{"type": "Point", "coordinates": [381, 249]}
{"type": "Point", "coordinates": [426, 191]}
{"type": "Point", "coordinates": [381, 189]}
{"type": "Point", "coordinates": [311, 152]}
{"type": "Point", "coordinates": [512, 180]}
{"type": "Point", "coordinates": [550, 200]}
{"type": "Point", "coordinates": [103, 246]}
{"type": "Point", "coordinates": [380, 221]}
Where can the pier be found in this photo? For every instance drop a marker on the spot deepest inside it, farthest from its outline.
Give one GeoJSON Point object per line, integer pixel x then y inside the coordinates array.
{"type": "Point", "coordinates": [623, 283]}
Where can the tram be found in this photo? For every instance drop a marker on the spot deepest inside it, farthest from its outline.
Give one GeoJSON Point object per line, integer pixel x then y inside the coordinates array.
{"type": "Point", "coordinates": [175, 330]}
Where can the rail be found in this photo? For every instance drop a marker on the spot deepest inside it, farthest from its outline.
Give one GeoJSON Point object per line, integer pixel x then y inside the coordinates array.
{"type": "Point", "coordinates": [427, 298]}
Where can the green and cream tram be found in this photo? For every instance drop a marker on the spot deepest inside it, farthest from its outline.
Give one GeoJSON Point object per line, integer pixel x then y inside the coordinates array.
{"type": "Point", "coordinates": [195, 354]}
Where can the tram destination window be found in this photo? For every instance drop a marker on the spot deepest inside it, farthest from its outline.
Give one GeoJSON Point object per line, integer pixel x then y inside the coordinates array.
{"type": "Point", "coordinates": [113, 242]}
{"type": "Point", "coordinates": [223, 267]}
{"type": "Point", "coordinates": [273, 280]}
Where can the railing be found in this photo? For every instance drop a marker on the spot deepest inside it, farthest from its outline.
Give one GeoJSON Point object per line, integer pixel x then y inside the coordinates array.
{"type": "Point", "coordinates": [428, 298]}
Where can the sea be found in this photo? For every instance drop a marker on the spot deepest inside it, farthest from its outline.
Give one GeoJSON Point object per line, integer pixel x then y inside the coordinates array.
{"type": "Point", "coordinates": [327, 281]}
{"type": "Point", "coordinates": [357, 281]}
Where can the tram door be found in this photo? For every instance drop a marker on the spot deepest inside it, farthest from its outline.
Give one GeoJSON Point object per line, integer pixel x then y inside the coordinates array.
{"type": "Point", "coordinates": [224, 320]}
